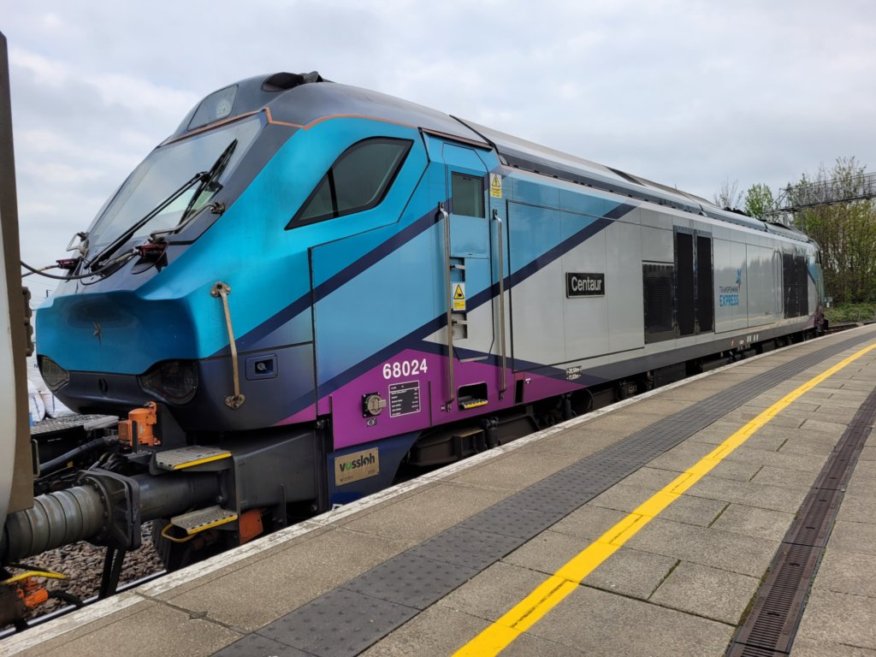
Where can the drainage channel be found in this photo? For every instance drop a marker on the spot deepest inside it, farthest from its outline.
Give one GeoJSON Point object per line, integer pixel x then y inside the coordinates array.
{"type": "Point", "coordinates": [772, 623]}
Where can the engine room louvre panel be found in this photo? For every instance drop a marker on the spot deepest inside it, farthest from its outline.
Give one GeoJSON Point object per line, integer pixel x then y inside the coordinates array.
{"type": "Point", "coordinates": [684, 291]}
{"type": "Point", "coordinates": [802, 285]}
{"type": "Point", "coordinates": [658, 294]}
{"type": "Point", "coordinates": [794, 284]}
{"type": "Point", "coordinates": [705, 292]}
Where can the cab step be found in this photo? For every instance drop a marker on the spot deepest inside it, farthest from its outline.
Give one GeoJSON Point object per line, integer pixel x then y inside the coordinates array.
{"type": "Point", "coordinates": [189, 457]}
{"type": "Point", "coordinates": [466, 404]}
{"type": "Point", "coordinates": [201, 520]}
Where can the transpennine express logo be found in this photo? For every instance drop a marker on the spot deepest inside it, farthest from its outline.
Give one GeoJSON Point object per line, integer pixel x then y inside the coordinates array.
{"type": "Point", "coordinates": [728, 295]}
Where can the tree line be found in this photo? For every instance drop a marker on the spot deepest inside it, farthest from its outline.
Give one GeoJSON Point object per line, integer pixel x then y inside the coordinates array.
{"type": "Point", "coordinates": [835, 208]}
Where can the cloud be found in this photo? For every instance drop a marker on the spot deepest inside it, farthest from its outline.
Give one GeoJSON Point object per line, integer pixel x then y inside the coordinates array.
{"type": "Point", "coordinates": [688, 94]}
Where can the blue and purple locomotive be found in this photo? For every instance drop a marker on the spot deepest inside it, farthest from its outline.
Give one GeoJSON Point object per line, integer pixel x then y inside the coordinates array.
{"type": "Point", "coordinates": [317, 287]}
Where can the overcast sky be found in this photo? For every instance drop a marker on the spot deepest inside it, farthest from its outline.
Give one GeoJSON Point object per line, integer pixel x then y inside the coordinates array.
{"type": "Point", "coordinates": [689, 93]}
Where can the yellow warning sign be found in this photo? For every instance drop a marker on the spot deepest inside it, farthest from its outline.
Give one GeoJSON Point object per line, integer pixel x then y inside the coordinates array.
{"type": "Point", "coordinates": [495, 185]}
{"type": "Point", "coordinates": [458, 300]}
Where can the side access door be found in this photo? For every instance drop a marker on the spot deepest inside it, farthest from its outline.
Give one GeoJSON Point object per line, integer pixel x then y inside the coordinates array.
{"type": "Point", "coordinates": [472, 257]}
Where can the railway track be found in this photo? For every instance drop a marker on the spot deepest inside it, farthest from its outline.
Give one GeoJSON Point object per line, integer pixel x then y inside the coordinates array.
{"type": "Point", "coordinates": [82, 562]}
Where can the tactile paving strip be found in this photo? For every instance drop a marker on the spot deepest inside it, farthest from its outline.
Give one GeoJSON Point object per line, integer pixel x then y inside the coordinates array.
{"type": "Point", "coordinates": [340, 622]}
{"type": "Point", "coordinates": [472, 548]}
{"type": "Point", "coordinates": [411, 579]}
{"type": "Point", "coordinates": [256, 645]}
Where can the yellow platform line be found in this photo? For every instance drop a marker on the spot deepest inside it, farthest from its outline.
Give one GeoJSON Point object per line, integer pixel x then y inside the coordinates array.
{"type": "Point", "coordinates": [526, 613]}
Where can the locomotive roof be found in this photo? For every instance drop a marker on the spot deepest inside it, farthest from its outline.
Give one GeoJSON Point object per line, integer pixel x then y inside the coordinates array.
{"type": "Point", "coordinates": [305, 98]}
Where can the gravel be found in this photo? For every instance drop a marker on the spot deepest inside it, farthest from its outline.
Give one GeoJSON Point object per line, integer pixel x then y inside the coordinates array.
{"type": "Point", "coordinates": [82, 562]}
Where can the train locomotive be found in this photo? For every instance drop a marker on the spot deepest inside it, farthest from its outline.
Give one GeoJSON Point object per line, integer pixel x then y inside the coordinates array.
{"type": "Point", "coordinates": [310, 288]}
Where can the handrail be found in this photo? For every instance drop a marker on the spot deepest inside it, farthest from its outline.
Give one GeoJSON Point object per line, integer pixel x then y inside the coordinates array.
{"type": "Point", "coordinates": [503, 385]}
{"type": "Point", "coordinates": [445, 216]}
{"type": "Point", "coordinates": [235, 400]}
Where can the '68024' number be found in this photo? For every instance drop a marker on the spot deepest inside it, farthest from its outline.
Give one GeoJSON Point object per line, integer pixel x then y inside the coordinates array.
{"type": "Point", "coordinates": [400, 368]}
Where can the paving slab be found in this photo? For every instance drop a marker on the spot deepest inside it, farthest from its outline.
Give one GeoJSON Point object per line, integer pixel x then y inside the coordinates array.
{"type": "Point", "coordinates": [707, 592]}
{"type": "Point", "coordinates": [782, 420]}
{"type": "Point", "coordinates": [791, 436]}
{"type": "Point", "coordinates": [683, 456]}
{"type": "Point", "coordinates": [579, 442]}
{"type": "Point", "coordinates": [839, 618]}
{"type": "Point", "coordinates": [857, 508]}
{"type": "Point", "coordinates": [626, 423]}
{"type": "Point", "coordinates": [528, 645]}
{"type": "Point", "coordinates": [764, 496]}
{"type": "Point", "coordinates": [417, 517]}
{"type": "Point", "coordinates": [815, 444]}
{"type": "Point", "coordinates": [773, 476]}
{"type": "Point", "coordinates": [651, 478]}
{"type": "Point", "coordinates": [805, 463]}
{"type": "Point", "coordinates": [726, 550]}
{"type": "Point", "coordinates": [736, 470]}
{"type": "Point", "coordinates": [589, 521]}
{"type": "Point", "coordinates": [808, 648]}
{"type": "Point", "coordinates": [623, 497]}
{"type": "Point", "coordinates": [767, 441]}
{"type": "Point", "coordinates": [547, 552]}
{"type": "Point", "coordinates": [854, 536]}
{"type": "Point", "coordinates": [172, 633]}
{"type": "Point", "coordinates": [513, 473]}
{"type": "Point", "coordinates": [865, 487]}
{"type": "Point", "coordinates": [852, 384]}
{"type": "Point", "coordinates": [693, 510]}
{"type": "Point", "coordinates": [850, 395]}
{"type": "Point", "coordinates": [865, 471]}
{"type": "Point", "coordinates": [717, 432]}
{"type": "Point", "coordinates": [491, 593]}
{"type": "Point", "coordinates": [617, 625]}
{"type": "Point", "coordinates": [754, 521]}
{"type": "Point", "coordinates": [438, 630]}
{"type": "Point", "coordinates": [632, 573]}
{"type": "Point", "coordinates": [837, 414]}
{"type": "Point", "coordinates": [836, 402]}
{"type": "Point", "coordinates": [254, 595]}
{"type": "Point", "coordinates": [842, 571]}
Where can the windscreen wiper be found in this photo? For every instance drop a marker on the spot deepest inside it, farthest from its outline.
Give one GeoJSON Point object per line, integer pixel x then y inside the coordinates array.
{"type": "Point", "coordinates": [203, 178]}
{"type": "Point", "coordinates": [117, 243]}
{"type": "Point", "coordinates": [210, 177]}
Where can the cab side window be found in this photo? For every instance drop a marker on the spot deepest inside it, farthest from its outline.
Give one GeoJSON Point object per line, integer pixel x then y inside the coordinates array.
{"type": "Point", "coordinates": [468, 194]}
{"type": "Point", "coordinates": [358, 180]}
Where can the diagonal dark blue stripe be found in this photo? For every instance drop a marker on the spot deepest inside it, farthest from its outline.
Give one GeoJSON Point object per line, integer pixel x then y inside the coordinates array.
{"type": "Point", "coordinates": [248, 340]}
{"type": "Point", "coordinates": [299, 305]}
{"type": "Point", "coordinates": [414, 339]}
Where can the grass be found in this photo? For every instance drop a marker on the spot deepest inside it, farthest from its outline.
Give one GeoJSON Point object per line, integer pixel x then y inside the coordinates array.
{"type": "Point", "coordinates": [851, 312]}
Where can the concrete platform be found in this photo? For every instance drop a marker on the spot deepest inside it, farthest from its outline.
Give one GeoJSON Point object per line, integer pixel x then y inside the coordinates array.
{"type": "Point", "coordinates": [677, 585]}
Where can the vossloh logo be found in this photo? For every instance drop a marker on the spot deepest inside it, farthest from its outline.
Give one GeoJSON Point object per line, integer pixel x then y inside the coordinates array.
{"type": "Point", "coordinates": [356, 466]}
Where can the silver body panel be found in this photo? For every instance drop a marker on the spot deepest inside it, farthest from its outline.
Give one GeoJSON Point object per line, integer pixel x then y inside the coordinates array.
{"type": "Point", "coordinates": [549, 329]}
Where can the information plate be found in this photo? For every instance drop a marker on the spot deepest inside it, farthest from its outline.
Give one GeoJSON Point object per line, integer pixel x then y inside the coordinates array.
{"type": "Point", "coordinates": [404, 398]}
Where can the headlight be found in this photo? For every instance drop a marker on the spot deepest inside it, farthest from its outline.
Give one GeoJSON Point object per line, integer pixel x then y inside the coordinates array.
{"type": "Point", "coordinates": [174, 381]}
{"type": "Point", "coordinates": [54, 375]}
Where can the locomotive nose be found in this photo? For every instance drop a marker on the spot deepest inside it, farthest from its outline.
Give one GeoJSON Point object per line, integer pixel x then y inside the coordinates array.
{"type": "Point", "coordinates": [114, 350]}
